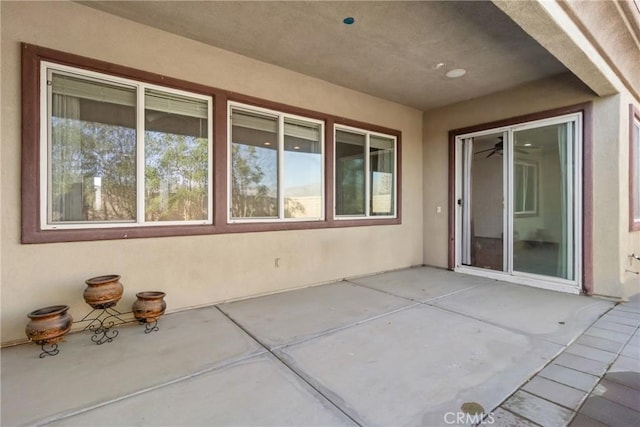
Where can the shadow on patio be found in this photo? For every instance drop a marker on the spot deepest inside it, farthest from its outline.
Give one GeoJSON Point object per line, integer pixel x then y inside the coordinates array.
{"type": "Point", "coordinates": [400, 348]}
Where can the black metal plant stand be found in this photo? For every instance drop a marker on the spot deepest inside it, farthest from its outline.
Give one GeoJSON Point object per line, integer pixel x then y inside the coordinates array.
{"type": "Point", "coordinates": [102, 322]}
{"type": "Point", "coordinates": [52, 351]}
{"type": "Point", "coordinates": [151, 326]}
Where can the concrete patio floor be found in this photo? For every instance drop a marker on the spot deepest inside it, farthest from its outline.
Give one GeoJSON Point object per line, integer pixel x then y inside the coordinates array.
{"type": "Point", "coordinates": [400, 348]}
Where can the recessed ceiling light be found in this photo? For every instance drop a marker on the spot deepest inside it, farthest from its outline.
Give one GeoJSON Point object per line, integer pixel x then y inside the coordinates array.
{"type": "Point", "coordinates": [296, 148]}
{"type": "Point", "coordinates": [528, 144]}
{"type": "Point", "coordinates": [455, 73]}
{"type": "Point", "coordinates": [349, 20]}
{"type": "Point", "coordinates": [267, 143]}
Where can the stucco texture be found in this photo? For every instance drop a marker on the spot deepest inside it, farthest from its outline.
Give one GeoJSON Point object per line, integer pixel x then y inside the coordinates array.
{"type": "Point", "coordinates": [200, 270]}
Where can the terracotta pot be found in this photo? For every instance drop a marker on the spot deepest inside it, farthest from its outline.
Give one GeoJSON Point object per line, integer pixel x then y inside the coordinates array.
{"type": "Point", "coordinates": [103, 291]}
{"type": "Point", "coordinates": [149, 306]}
{"type": "Point", "coordinates": [49, 325]}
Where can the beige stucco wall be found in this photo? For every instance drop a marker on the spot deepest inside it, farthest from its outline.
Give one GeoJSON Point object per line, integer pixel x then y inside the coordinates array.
{"type": "Point", "coordinates": [613, 28]}
{"type": "Point", "coordinates": [629, 241]}
{"type": "Point", "coordinates": [607, 201]}
{"type": "Point", "coordinates": [608, 147]}
{"type": "Point", "coordinates": [192, 270]}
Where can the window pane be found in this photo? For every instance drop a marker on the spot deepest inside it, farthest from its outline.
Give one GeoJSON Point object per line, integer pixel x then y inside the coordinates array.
{"type": "Point", "coordinates": [518, 185]}
{"type": "Point", "coordinates": [92, 151]}
{"type": "Point", "coordinates": [530, 189]}
{"type": "Point", "coordinates": [382, 164]}
{"type": "Point", "coordinates": [176, 157]}
{"type": "Point", "coordinates": [254, 165]}
{"type": "Point", "coordinates": [350, 173]}
{"type": "Point", "coordinates": [525, 188]}
{"type": "Point", "coordinates": [302, 170]}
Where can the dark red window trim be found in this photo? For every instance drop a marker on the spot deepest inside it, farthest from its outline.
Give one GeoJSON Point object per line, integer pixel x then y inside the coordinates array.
{"type": "Point", "coordinates": [634, 115]}
{"type": "Point", "coordinates": [587, 179]}
{"type": "Point", "coordinates": [30, 190]}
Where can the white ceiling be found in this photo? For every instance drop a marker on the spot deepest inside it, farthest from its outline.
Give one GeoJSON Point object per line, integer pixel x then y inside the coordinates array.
{"type": "Point", "coordinates": [391, 51]}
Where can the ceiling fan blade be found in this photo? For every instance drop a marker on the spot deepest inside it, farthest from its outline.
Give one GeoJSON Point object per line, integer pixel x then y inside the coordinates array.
{"type": "Point", "coordinates": [492, 153]}
{"type": "Point", "coordinates": [484, 151]}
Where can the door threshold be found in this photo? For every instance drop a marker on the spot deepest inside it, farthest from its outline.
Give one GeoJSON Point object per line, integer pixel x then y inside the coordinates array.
{"type": "Point", "coordinates": [521, 280]}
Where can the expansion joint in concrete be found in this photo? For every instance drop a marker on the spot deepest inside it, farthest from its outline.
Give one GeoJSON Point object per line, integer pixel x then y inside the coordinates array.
{"type": "Point", "coordinates": [291, 368]}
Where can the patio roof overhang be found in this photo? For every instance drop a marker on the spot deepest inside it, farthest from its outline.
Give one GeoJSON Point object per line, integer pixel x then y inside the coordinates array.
{"type": "Point", "coordinates": [580, 36]}
{"type": "Point", "coordinates": [398, 51]}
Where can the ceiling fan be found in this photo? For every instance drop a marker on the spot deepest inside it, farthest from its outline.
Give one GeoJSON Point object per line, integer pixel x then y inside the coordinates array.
{"type": "Point", "coordinates": [498, 148]}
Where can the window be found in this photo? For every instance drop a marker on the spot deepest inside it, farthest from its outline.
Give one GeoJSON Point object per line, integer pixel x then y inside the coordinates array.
{"type": "Point", "coordinates": [365, 173]}
{"type": "Point", "coordinates": [634, 170]}
{"type": "Point", "coordinates": [525, 188]}
{"type": "Point", "coordinates": [276, 166]}
{"type": "Point", "coordinates": [112, 152]}
{"type": "Point", "coordinates": [120, 152]}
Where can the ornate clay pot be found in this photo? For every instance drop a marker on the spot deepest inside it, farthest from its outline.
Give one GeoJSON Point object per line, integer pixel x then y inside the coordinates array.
{"type": "Point", "coordinates": [149, 306]}
{"type": "Point", "coordinates": [103, 291]}
{"type": "Point", "coordinates": [49, 325]}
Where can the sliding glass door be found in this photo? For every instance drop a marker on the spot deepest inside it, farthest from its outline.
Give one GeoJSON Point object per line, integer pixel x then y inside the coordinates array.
{"type": "Point", "coordinates": [519, 202]}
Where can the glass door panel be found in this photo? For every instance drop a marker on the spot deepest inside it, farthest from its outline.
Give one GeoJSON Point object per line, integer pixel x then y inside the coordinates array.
{"type": "Point", "coordinates": [483, 202]}
{"type": "Point", "coordinates": [542, 197]}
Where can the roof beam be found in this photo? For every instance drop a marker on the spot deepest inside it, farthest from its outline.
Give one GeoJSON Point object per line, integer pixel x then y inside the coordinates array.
{"type": "Point", "coordinates": [549, 24]}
